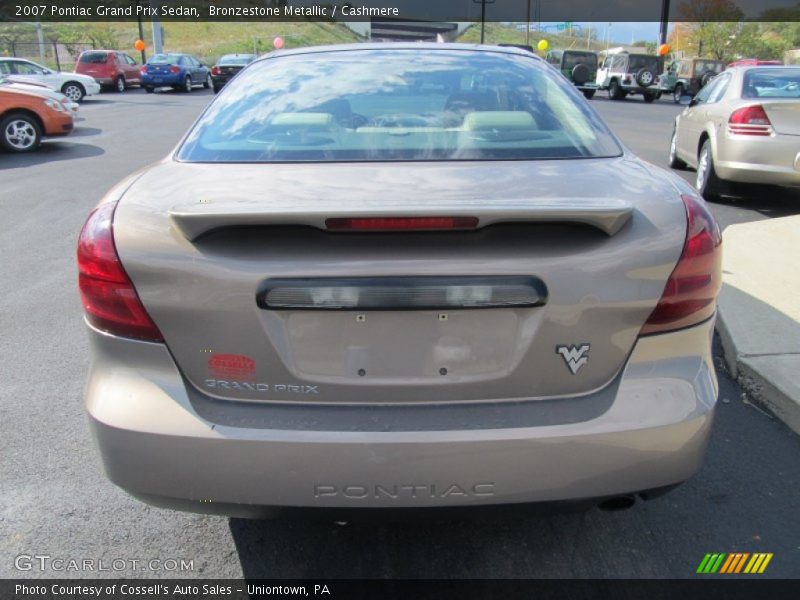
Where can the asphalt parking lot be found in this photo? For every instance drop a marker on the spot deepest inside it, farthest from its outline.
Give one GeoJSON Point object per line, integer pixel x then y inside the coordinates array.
{"type": "Point", "coordinates": [55, 500]}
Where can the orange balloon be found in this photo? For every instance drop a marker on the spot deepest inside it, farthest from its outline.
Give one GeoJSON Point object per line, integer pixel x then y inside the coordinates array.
{"type": "Point", "coordinates": [663, 49]}
{"type": "Point", "coordinates": [139, 45]}
{"type": "Point", "coordinates": [278, 43]}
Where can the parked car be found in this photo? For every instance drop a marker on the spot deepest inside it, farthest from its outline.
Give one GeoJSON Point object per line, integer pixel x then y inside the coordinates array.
{"type": "Point", "coordinates": [685, 77]}
{"type": "Point", "coordinates": [73, 85]}
{"type": "Point", "coordinates": [340, 291]}
{"type": "Point", "coordinates": [16, 83]}
{"type": "Point", "coordinates": [27, 117]}
{"type": "Point", "coordinates": [112, 69]}
{"type": "Point", "coordinates": [755, 62]}
{"type": "Point", "coordinates": [624, 74]}
{"type": "Point", "coordinates": [180, 71]}
{"type": "Point", "coordinates": [743, 127]}
{"type": "Point", "coordinates": [228, 66]}
{"type": "Point", "coordinates": [580, 67]}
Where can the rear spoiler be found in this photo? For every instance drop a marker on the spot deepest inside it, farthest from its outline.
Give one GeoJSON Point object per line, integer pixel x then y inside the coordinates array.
{"type": "Point", "coordinates": [607, 215]}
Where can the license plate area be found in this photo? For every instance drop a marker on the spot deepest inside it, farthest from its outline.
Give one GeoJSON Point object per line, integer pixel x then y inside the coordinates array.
{"type": "Point", "coordinates": [410, 347]}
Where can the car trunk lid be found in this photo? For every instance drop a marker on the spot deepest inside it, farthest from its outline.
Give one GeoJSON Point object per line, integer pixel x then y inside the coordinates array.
{"type": "Point", "coordinates": [784, 115]}
{"type": "Point", "coordinates": [595, 239]}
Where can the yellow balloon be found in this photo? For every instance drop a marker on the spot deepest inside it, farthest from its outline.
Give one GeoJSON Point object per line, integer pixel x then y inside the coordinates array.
{"type": "Point", "coordinates": [542, 45]}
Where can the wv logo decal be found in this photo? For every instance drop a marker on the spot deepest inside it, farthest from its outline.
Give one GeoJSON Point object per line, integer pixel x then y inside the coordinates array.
{"type": "Point", "coordinates": [574, 356]}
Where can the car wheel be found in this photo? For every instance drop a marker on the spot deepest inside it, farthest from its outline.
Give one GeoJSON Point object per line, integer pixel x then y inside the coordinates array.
{"type": "Point", "coordinates": [707, 182]}
{"type": "Point", "coordinates": [674, 161]}
{"type": "Point", "coordinates": [149, 89]}
{"type": "Point", "coordinates": [20, 133]}
{"type": "Point", "coordinates": [649, 97]}
{"type": "Point", "coordinates": [589, 94]}
{"type": "Point", "coordinates": [119, 84]}
{"type": "Point", "coordinates": [615, 91]}
{"type": "Point", "coordinates": [677, 93]}
{"type": "Point", "coordinates": [208, 82]}
{"type": "Point", "coordinates": [187, 84]}
{"type": "Point", "coordinates": [74, 91]}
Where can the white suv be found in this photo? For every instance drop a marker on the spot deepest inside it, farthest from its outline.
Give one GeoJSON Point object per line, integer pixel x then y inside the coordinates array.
{"type": "Point", "coordinates": [623, 74]}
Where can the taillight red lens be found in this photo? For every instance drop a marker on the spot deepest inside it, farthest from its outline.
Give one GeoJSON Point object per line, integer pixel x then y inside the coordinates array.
{"type": "Point", "coordinates": [691, 291]}
{"type": "Point", "coordinates": [109, 298]}
{"type": "Point", "coordinates": [401, 223]}
{"type": "Point", "coordinates": [215, 70]}
{"type": "Point", "coordinates": [750, 120]}
{"type": "Point", "coordinates": [143, 70]}
{"type": "Point", "coordinates": [174, 69]}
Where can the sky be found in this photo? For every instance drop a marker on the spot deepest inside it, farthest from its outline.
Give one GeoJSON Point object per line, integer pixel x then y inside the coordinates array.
{"type": "Point", "coordinates": [620, 32]}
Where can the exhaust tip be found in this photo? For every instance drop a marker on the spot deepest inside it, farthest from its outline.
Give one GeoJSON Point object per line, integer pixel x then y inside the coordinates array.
{"type": "Point", "coordinates": [618, 503]}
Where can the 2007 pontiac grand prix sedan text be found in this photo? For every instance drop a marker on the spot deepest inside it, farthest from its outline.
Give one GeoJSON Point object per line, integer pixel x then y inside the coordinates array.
{"type": "Point", "coordinates": [399, 276]}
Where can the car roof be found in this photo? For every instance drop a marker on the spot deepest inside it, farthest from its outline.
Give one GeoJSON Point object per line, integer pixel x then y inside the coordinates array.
{"type": "Point", "coordinates": [423, 47]}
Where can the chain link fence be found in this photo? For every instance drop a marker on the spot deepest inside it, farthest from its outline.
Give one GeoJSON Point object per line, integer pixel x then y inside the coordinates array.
{"type": "Point", "coordinates": [56, 55]}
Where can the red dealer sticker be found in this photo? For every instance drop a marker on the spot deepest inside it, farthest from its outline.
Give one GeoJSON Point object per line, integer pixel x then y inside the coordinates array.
{"type": "Point", "coordinates": [237, 367]}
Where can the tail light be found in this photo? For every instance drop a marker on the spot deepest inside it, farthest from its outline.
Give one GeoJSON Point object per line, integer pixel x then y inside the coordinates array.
{"type": "Point", "coordinates": [401, 223]}
{"type": "Point", "coordinates": [691, 291]}
{"type": "Point", "coordinates": [750, 120]}
{"type": "Point", "coordinates": [174, 69]}
{"type": "Point", "coordinates": [215, 70]}
{"type": "Point", "coordinates": [109, 298]}
{"type": "Point", "coordinates": [143, 70]}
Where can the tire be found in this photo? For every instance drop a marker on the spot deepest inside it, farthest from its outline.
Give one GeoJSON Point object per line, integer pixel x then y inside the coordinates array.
{"type": "Point", "coordinates": [149, 89]}
{"type": "Point", "coordinates": [673, 160]}
{"type": "Point", "coordinates": [707, 182]}
{"type": "Point", "coordinates": [649, 97]}
{"type": "Point", "coordinates": [217, 89]}
{"type": "Point", "coordinates": [20, 133]}
{"type": "Point", "coordinates": [208, 83]}
{"type": "Point", "coordinates": [187, 85]}
{"type": "Point", "coordinates": [119, 84]}
{"type": "Point", "coordinates": [615, 91]}
{"type": "Point", "coordinates": [589, 94]}
{"type": "Point", "coordinates": [580, 74]}
{"type": "Point", "coordinates": [74, 91]}
{"type": "Point", "coordinates": [677, 93]}
{"type": "Point", "coordinates": [645, 77]}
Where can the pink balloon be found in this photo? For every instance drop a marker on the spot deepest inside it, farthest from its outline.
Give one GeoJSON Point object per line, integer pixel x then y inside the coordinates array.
{"type": "Point", "coordinates": [278, 43]}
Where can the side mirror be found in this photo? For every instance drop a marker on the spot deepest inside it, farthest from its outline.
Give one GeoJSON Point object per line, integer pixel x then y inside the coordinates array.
{"type": "Point", "coordinates": [686, 101]}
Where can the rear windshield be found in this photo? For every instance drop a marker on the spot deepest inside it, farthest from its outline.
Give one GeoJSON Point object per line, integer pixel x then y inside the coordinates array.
{"type": "Point", "coordinates": [637, 62]}
{"type": "Point", "coordinates": [572, 59]}
{"type": "Point", "coordinates": [232, 59]}
{"type": "Point", "coordinates": [771, 83]}
{"type": "Point", "coordinates": [164, 59]}
{"type": "Point", "coordinates": [396, 105]}
{"type": "Point", "coordinates": [94, 57]}
{"type": "Point", "coordinates": [703, 66]}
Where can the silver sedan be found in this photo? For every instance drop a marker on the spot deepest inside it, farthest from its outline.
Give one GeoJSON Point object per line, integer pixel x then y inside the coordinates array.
{"type": "Point", "coordinates": [743, 127]}
{"type": "Point", "coordinates": [400, 275]}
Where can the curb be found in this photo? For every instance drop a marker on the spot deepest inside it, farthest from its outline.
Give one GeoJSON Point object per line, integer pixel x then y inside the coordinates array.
{"type": "Point", "coordinates": [758, 319]}
{"type": "Point", "coordinates": [761, 381]}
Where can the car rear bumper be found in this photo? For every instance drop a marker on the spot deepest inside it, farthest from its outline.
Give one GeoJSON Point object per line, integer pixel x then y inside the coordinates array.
{"type": "Point", "coordinates": [166, 444]}
{"type": "Point", "coordinates": [220, 80]}
{"type": "Point", "coordinates": [751, 159]}
{"type": "Point", "coordinates": [163, 79]}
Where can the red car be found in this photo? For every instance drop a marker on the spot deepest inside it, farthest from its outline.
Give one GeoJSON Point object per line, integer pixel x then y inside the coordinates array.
{"type": "Point", "coordinates": [753, 62]}
{"type": "Point", "coordinates": [110, 68]}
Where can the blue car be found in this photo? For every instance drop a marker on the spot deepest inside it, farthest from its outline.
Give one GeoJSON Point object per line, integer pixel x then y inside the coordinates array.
{"type": "Point", "coordinates": [180, 71]}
